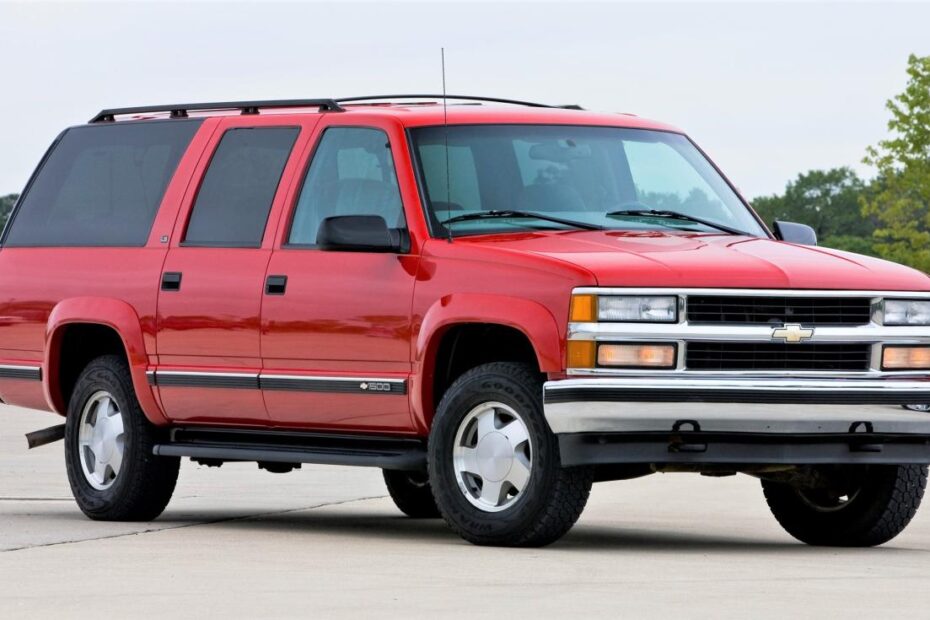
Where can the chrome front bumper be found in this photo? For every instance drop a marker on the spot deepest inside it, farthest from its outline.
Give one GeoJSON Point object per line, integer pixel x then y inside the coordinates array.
{"type": "Point", "coordinates": [738, 419]}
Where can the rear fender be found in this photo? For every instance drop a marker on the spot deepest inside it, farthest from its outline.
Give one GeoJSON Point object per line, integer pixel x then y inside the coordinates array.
{"type": "Point", "coordinates": [115, 314]}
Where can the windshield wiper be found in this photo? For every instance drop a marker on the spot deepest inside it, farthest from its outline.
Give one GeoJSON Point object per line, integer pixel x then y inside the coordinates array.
{"type": "Point", "coordinates": [482, 215]}
{"type": "Point", "coordinates": [675, 215]}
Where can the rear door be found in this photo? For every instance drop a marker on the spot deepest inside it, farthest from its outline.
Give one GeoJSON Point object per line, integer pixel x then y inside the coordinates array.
{"type": "Point", "coordinates": [209, 304]}
{"type": "Point", "coordinates": [336, 331]}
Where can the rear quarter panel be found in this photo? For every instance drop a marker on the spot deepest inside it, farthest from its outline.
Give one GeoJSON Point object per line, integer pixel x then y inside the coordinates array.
{"type": "Point", "coordinates": [36, 280]}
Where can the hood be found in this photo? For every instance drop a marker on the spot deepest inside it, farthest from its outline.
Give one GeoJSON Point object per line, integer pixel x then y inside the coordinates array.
{"type": "Point", "coordinates": [674, 259]}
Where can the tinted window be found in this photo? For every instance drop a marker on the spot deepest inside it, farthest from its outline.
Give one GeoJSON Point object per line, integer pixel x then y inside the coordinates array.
{"type": "Point", "coordinates": [352, 173]}
{"type": "Point", "coordinates": [235, 197]}
{"type": "Point", "coordinates": [101, 185]}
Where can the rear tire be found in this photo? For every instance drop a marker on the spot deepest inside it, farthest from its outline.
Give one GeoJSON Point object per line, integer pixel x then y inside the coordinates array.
{"type": "Point", "coordinates": [411, 493]}
{"type": "Point", "coordinates": [494, 464]}
{"type": "Point", "coordinates": [868, 505]}
{"type": "Point", "coordinates": [108, 448]}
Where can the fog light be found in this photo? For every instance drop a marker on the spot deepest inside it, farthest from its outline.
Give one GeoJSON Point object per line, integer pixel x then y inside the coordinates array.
{"type": "Point", "coordinates": [637, 355]}
{"type": "Point", "coordinates": [906, 358]}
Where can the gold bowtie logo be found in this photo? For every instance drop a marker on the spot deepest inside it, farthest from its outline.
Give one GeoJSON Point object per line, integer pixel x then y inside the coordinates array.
{"type": "Point", "coordinates": [793, 333]}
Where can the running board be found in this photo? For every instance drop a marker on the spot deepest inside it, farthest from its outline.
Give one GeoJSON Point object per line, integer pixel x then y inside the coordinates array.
{"type": "Point", "coordinates": [234, 444]}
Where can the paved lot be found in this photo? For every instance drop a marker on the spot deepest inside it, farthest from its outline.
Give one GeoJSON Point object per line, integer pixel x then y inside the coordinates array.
{"type": "Point", "coordinates": [325, 542]}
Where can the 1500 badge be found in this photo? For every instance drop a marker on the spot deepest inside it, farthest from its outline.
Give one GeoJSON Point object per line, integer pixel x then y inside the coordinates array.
{"type": "Point", "coordinates": [375, 386]}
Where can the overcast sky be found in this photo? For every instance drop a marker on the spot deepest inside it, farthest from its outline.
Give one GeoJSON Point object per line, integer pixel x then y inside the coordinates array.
{"type": "Point", "coordinates": [769, 90]}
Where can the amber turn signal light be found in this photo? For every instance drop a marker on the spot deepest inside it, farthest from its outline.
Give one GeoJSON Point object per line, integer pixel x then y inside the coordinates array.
{"type": "Point", "coordinates": [583, 309]}
{"type": "Point", "coordinates": [906, 358]}
{"type": "Point", "coordinates": [581, 353]}
{"type": "Point", "coordinates": [637, 355]}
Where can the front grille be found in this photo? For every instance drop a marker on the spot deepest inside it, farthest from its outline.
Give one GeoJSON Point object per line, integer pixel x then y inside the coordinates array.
{"type": "Point", "coordinates": [751, 310]}
{"type": "Point", "coordinates": [776, 356]}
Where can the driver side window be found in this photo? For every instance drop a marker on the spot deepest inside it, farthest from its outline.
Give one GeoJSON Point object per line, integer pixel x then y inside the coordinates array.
{"type": "Point", "coordinates": [352, 173]}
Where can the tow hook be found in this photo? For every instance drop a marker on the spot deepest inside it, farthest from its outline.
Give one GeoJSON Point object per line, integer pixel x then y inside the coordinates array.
{"type": "Point", "coordinates": [682, 429]}
{"type": "Point", "coordinates": [860, 445]}
{"type": "Point", "coordinates": [45, 436]}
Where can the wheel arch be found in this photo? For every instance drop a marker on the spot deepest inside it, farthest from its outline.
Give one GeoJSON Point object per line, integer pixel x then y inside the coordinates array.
{"type": "Point", "coordinates": [498, 315]}
{"type": "Point", "coordinates": [105, 318]}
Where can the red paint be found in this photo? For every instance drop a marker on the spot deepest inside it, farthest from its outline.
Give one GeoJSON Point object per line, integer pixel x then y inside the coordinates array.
{"type": "Point", "coordinates": [352, 314]}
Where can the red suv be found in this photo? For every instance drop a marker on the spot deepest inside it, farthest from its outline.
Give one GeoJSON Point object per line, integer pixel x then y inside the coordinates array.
{"type": "Point", "coordinates": [497, 303]}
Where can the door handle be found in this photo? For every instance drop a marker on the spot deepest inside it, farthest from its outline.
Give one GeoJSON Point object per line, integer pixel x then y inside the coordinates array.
{"type": "Point", "coordinates": [171, 281]}
{"type": "Point", "coordinates": [275, 285]}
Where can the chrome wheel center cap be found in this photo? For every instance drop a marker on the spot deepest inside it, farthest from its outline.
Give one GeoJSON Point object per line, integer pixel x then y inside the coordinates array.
{"type": "Point", "coordinates": [100, 443]}
{"type": "Point", "coordinates": [495, 456]}
{"type": "Point", "coordinates": [492, 456]}
{"type": "Point", "coordinates": [101, 440]}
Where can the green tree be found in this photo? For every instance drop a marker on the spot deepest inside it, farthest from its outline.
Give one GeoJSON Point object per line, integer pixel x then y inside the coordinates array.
{"type": "Point", "coordinates": [828, 201]}
{"type": "Point", "coordinates": [901, 197]}
{"type": "Point", "coordinates": [6, 205]}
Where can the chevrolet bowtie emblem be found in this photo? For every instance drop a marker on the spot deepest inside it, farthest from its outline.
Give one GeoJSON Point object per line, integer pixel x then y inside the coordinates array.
{"type": "Point", "coordinates": [792, 333]}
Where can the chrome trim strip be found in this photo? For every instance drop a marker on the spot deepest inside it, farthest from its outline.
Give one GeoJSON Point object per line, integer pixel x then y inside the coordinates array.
{"type": "Point", "coordinates": [277, 382]}
{"type": "Point", "coordinates": [330, 378]}
{"type": "Point", "coordinates": [729, 404]}
{"type": "Point", "coordinates": [762, 374]}
{"type": "Point", "coordinates": [606, 417]}
{"type": "Point", "coordinates": [342, 385]}
{"type": "Point", "coordinates": [693, 383]}
{"type": "Point", "coordinates": [726, 332]}
{"type": "Point", "coordinates": [189, 379]}
{"type": "Point", "coordinates": [187, 373]}
{"type": "Point", "coordinates": [26, 373]}
{"type": "Point", "coordinates": [754, 292]}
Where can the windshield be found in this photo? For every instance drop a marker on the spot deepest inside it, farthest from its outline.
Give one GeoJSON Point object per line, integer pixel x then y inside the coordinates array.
{"type": "Point", "coordinates": [604, 177]}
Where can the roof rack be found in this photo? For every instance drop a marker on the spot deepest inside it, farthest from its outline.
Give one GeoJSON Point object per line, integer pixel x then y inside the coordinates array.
{"type": "Point", "coordinates": [180, 110]}
{"type": "Point", "coordinates": [530, 104]}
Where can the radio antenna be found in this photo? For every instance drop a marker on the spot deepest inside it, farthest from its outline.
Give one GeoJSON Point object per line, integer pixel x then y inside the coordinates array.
{"type": "Point", "coordinates": [445, 128]}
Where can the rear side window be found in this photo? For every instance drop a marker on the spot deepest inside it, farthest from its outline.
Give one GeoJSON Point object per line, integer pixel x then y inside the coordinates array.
{"type": "Point", "coordinates": [101, 185]}
{"type": "Point", "coordinates": [352, 173]}
{"type": "Point", "coordinates": [235, 197]}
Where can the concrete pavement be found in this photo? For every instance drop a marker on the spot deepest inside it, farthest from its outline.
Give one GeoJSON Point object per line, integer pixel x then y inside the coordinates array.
{"type": "Point", "coordinates": [325, 542]}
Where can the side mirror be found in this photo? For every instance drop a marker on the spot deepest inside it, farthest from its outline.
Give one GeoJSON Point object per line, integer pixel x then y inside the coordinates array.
{"type": "Point", "coordinates": [359, 233]}
{"type": "Point", "coordinates": [802, 234]}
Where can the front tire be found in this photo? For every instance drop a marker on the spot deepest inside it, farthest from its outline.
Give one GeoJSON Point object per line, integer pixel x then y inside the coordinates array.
{"type": "Point", "coordinates": [853, 506]}
{"type": "Point", "coordinates": [494, 463]}
{"type": "Point", "coordinates": [108, 448]}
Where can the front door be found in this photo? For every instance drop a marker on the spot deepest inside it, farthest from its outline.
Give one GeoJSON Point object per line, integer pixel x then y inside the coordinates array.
{"type": "Point", "coordinates": [208, 332]}
{"type": "Point", "coordinates": [336, 331]}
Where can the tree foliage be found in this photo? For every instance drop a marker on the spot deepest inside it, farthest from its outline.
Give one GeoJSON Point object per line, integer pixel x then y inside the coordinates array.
{"type": "Point", "coordinates": [900, 199]}
{"type": "Point", "coordinates": [829, 202]}
{"type": "Point", "coordinates": [6, 205]}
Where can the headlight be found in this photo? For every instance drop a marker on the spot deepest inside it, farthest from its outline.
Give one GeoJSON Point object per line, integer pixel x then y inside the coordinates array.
{"type": "Point", "coordinates": [637, 309]}
{"type": "Point", "coordinates": [907, 312]}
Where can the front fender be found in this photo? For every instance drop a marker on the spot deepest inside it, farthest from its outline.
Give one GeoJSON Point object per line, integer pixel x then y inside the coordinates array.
{"type": "Point", "coordinates": [121, 318]}
{"type": "Point", "coordinates": [531, 318]}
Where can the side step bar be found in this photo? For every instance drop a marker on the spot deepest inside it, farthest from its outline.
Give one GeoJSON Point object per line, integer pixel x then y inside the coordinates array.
{"type": "Point", "coordinates": [234, 444]}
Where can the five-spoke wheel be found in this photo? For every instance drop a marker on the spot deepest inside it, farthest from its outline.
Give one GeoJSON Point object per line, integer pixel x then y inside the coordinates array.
{"type": "Point", "coordinates": [101, 440]}
{"type": "Point", "coordinates": [494, 464]}
{"type": "Point", "coordinates": [493, 456]}
{"type": "Point", "coordinates": [109, 443]}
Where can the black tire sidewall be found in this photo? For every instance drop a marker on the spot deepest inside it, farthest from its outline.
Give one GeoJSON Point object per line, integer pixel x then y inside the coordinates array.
{"type": "Point", "coordinates": [145, 482]}
{"type": "Point", "coordinates": [472, 390]}
{"type": "Point", "coordinates": [414, 497]}
{"type": "Point", "coordinates": [876, 514]}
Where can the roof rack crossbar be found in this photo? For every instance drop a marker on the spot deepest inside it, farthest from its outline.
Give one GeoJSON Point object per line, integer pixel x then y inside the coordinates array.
{"type": "Point", "coordinates": [459, 97]}
{"type": "Point", "coordinates": [180, 110]}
